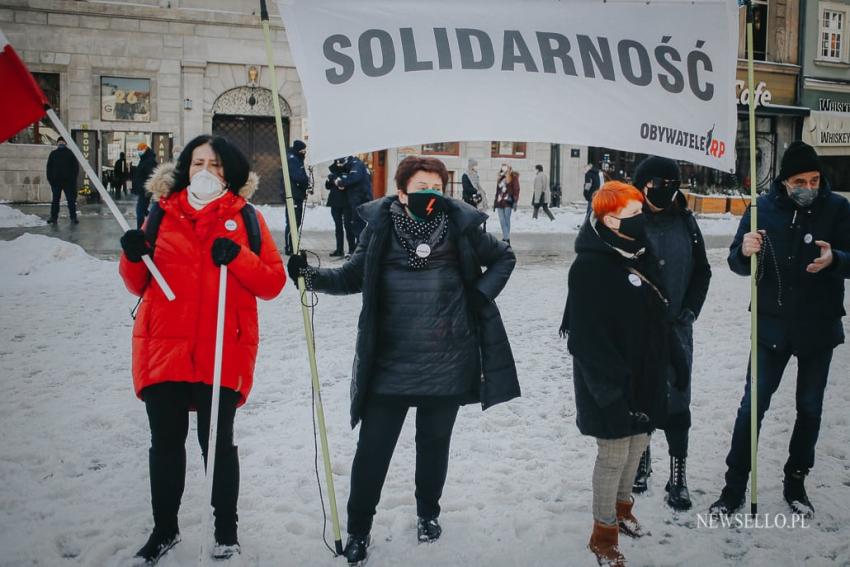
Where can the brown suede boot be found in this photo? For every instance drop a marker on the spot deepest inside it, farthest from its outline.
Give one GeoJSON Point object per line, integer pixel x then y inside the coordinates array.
{"type": "Point", "coordinates": [627, 522]}
{"type": "Point", "coordinates": [604, 544]}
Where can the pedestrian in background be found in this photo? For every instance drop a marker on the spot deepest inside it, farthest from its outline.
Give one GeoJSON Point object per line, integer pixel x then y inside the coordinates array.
{"type": "Point", "coordinates": [142, 172]}
{"type": "Point", "coordinates": [340, 211]}
{"type": "Point", "coordinates": [120, 173]}
{"type": "Point", "coordinates": [62, 172]}
{"type": "Point", "coordinates": [356, 180]}
{"type": "Point", "coordinates": [473, 193]}
{"type": "Point", "coordinates": [507, 199]}
{"type": "Point", "coordinates": [300, 184]}
{"type": "Point", "coordinates": [540, 198]}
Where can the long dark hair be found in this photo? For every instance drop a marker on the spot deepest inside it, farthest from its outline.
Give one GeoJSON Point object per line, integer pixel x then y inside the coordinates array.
{"type": "Point", "coordinates": [236, 168]}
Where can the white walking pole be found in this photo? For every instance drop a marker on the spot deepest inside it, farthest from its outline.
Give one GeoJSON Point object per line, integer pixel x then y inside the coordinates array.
{"type": "Point", "coordinates": [107, 199]}
{"type": "Point", "coordinates": [216, 390]}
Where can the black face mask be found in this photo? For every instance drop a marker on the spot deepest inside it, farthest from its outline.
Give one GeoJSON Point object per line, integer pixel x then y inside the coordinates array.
{"type": "Point", "coordinates": [633, 227]}
{"type": "Point", "coordinates": [661, 197]}
{"type": "Point", "coordinates": [425, 205]}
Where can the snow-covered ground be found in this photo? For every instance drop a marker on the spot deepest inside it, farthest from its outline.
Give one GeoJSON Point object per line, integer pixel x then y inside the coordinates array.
{"type": "Point", "coordinates": [568, 219]}
{"type": "Point", "coordinates": [10, 217]}
{"type": "Point", "coordinates": [73, 449]}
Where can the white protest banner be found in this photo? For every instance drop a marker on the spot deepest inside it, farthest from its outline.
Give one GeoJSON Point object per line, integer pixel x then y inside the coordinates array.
{"type": "Point", "coordinates": [653, 77]}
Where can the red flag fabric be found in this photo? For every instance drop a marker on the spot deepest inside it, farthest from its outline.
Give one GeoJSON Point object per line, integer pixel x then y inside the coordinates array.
{"type": "Point", "coordinates": [21, 100]}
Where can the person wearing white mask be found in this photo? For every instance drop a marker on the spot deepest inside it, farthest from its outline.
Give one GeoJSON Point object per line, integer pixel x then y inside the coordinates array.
{"type": "Point", "coordinates": [200, 220]}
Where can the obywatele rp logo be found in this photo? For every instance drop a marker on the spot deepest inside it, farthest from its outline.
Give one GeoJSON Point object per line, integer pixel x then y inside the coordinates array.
{"type": "Point", "coordinates": [706, 143]}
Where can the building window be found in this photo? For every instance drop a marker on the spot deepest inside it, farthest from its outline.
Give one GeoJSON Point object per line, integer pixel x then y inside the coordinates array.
{"type": "Point", "coordinates": [42, 132]}
{"type": "Point", "coordinates": [508, 150]}
{"type": "Point", "coordinates": [760, 25]}
{"type": "Point", "coordinates": [441, 149]}
{"type": "Point", "coordinates": [832, 25]}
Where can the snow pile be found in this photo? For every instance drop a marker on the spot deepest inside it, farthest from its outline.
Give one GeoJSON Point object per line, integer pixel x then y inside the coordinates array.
{"type": "Point", "coordinates": [74, 443]}
{"type": "Point", "coordinates": [35, 253]}
{"type": "Point", "coordinates": [10, 218]}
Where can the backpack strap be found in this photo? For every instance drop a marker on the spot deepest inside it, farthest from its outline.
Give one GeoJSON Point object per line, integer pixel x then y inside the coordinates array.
{"type": "Point", "coordinates": [152, 223]}
{"type": "Point", "coordinates": [252, 226]}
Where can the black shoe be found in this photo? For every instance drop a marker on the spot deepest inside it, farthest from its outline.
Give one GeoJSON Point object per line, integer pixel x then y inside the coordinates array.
{"type": "Point", "coordinates": [51, 221]}
{"type": "Point", "coordinates": [75, 220]}
{"type": "Point", "coordinates": [730, 501]}
{"type": "Point", "coordinates": [287, 251]}
{"type": "Point", "coordinates": [428, 530]}
{"type": "Point", "coordinates": [226, 550]}
{"type": "Point", "coordinates": [794, 492]}
{"type": "Point", "coordinates": [158, 545]}
{"type": "Point", "coordinates": [678, 496]}
{"type": "Point", "coordinates": [336, 253]}
{"type": "Point", "coordinates": [355, 549]}
{"type": "Point", "coordinates": [643, 473]}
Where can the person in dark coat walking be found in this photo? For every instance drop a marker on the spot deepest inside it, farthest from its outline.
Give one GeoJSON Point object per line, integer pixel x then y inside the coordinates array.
{"type": "Point", "coordinates": [340, 211]}
{"type": "Point", "coordinates": [356, 180]}
{"type": "Point", "coordinates": [141, 174]}
{"type": "Point", "coordinates": [300, 184]}
{"type": "Point", "coordinates": [473, 194]}
{"type": "Point", "coordinates": [676, 242]}
{"type": "Point", "coordinates": [119, 174]}
{"type": "Point", "coordinates": [616, 323]}
{"type": "Point", "coordinates": [803, 247]}
{"type": "Point", "coordinates": [430, 335]}
{"type": "Point", "coordinates": [62, 172]}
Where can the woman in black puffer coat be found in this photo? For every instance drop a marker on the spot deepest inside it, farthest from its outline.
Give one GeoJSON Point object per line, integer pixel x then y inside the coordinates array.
{"type": "Point", "coordinates": [430, 335]}
{"type": "Point", "coordinates": [618, 335]}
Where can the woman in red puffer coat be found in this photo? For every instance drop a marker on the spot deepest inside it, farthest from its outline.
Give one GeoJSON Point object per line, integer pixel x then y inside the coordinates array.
{"type": "Point", "coordinates": [201, 227]}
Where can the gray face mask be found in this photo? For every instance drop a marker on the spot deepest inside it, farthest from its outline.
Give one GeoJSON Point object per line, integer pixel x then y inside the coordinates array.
{"type": "Point", "coordinates": [802, 196]}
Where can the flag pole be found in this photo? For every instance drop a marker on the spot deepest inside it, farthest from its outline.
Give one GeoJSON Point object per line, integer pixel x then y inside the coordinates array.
{"type": "Point", "coordinates": [209, 470]}
{"type": "Point", "coordinates": [753, 272]}
{"type": "Point", "coordinates": [305, 312]}
{"type": "Point", "coordinates": [113, 208]}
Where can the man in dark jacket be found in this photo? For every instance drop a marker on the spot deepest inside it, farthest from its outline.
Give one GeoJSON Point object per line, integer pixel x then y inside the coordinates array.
{"type": "Point", "coordinates": [141, 174]}
{"type": "Point", "coordinates": [300, 184]}
{"type": "Point", "coordinates": [430, 335]}
{"type": "Point", "coordinates": [62, 171]}
{"type": "Point", "coordinates": [340, 211]}
{"type": "Point", "coordinates": [803, 247]}
{"type": "Point", "coordinates": [677, 245]}
{"type": "Point", "coordinates": [119, 175]}
{"type": "Point", "coordinates": [593, 180]}
{"type": "Point", "coordinates": [356, 180]}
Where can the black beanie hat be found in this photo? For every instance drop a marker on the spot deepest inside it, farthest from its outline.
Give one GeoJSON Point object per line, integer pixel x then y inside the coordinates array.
{"type": "Point", "coordinates": [298, 145]}
{"type": "Point", "coordinates": [798, 158]}
{"type": "Point", "coordinates": [655, 166]}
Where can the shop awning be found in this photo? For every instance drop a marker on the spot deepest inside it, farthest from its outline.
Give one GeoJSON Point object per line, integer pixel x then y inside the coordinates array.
{"type": "Point", "coordinates": [776, 110]}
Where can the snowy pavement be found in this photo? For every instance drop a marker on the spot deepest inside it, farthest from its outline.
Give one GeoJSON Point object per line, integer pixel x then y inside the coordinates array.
{"type": "Point", "coordinates": [73, 452]}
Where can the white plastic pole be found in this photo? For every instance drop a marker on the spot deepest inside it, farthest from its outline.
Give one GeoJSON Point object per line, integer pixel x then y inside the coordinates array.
{"type": "Point", "coordinates": [113, 208]}
{"type": "Point", "coordinates": [216, 390]}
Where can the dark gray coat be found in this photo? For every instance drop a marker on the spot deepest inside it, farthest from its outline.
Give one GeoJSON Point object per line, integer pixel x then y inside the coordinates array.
{"type": "Point", "coordinates": [363, 272]}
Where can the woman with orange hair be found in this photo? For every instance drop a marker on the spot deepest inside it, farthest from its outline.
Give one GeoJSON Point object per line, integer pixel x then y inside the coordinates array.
{"type": "Point", "coordinates": [615, 321]}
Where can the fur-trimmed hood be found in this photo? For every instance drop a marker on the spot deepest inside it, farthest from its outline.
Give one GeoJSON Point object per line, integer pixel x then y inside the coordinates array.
{"type": "Point", "coordinates": [161, 183]}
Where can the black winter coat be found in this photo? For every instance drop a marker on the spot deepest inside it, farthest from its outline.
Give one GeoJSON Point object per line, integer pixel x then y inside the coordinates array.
{"type": "Point", "coordinates": [617, 329]}
{"type": "Point", "coordinates": [143, 171]}
{"type": "Point", "coordinates": [298, 177]}
{"type": "Point", "coordinates": [336, 196]}
{"type": "Point", "coordinates": [357, 182]}
{"type": "Point", "coordinates": [362, 273]}
{"type": "Point", "coordinates": [796, 308]}
{"type": "Point", "coordinates": [62, 168]}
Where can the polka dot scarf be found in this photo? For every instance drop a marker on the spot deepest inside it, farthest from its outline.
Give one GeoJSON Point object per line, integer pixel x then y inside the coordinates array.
{"type": "Point", "coordinates": [418, 238]}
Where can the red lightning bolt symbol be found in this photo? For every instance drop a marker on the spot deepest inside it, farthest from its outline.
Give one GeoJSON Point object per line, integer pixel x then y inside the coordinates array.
{"type": "Point", "coordinates": [430, 207]}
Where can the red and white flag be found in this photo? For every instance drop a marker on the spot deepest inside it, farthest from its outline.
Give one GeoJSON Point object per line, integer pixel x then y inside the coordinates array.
{"type": "Point", "coordinates": [21, 100]}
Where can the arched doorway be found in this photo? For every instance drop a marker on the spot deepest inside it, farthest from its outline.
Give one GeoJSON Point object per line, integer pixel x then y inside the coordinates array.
{"type": "Point", "coordinates": [245, 116]}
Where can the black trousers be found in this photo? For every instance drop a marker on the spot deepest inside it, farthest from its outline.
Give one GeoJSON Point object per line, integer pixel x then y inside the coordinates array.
{"type": "Point", "coordinates": [812, 373]}
{"type": "Point", "coordinates": [70, 198]}
{"type": "Point", "coordinates": [143, 203]}
{"type": "Point", "coordinates": [342, 224]}
{"type": "Point", "coordinates": [168, 406]}
{"type": "Point", "coordinates": [379, 432]}
{"type": "Point", "coordinates": [299, 218]}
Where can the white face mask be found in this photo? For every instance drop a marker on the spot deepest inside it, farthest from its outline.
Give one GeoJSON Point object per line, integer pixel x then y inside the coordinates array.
{"type": "Point", "coordinates": [205, 186]}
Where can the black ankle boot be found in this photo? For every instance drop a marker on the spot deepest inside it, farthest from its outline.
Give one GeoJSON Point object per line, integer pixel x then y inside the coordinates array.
{"type": "Point", "coordinates": [336, 253]}
{"type": "Point", "coordinates": [730, 501]}
{"type": "Point", "coordinates": [224, 499]}
{"type": "Point", "coordinates": [794, 491]}
{"type": "Point", "coordinates": [643, 473]}
{"type": "Point", "coordinates": [356, 549]}
{"type": "Point", "coordinates": [428, 529]}
{"type": "Point", "coordinates": [678, 496]}
{"type": "Point", "coordinates": [158, 544]}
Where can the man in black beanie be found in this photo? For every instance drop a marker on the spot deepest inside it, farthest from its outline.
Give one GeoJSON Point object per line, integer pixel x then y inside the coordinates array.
{"type": "Point", "coordinates": [300, 182]}
{"type": "Point", "coordinates": [676, 243]}
{"type": "Point", "coordinates": [803, 244]}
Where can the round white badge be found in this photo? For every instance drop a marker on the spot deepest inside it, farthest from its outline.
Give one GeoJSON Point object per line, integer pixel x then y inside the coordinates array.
{"type": "Point", "coordinates": [230, 224]}
{"type": "Point", "coordinates": [423, 250]}
{"type": "Point", "coordinates": [634, 280]}
{"type": "Point", "coordinates": [808, 238]}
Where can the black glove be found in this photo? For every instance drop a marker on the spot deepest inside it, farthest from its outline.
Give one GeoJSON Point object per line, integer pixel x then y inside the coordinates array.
{"type": "Point", "coordinates": [224, 251]}
{"type": "Point", "coordinates": [296, 263]}
{"type": "Point", "coordinates": [477, 300]}
{"type": "Point", "coordinates": [135, 245]}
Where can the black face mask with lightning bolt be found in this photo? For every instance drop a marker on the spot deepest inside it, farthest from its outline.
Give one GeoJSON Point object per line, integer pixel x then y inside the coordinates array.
{"type": "Point", "coordinates": [425, 205]}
